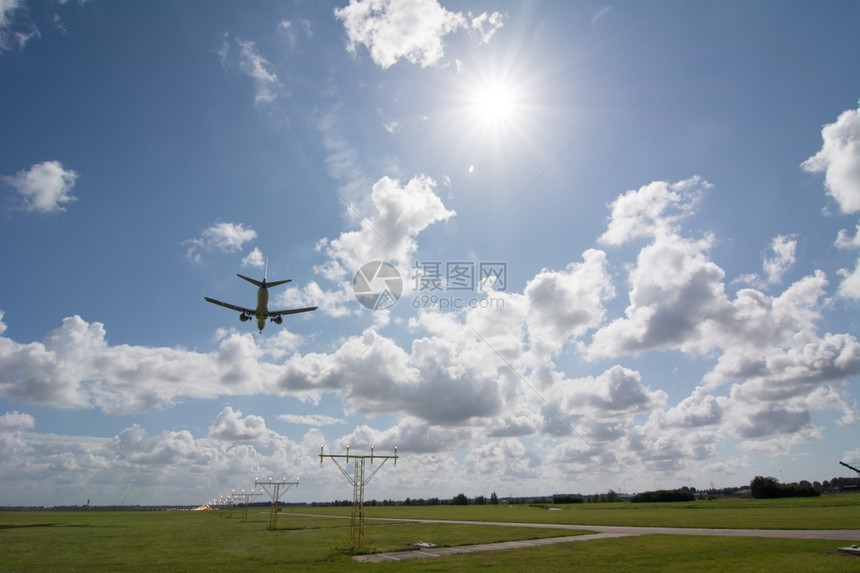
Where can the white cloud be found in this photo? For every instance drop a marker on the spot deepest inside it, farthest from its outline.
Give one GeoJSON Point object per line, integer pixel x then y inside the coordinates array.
{"type": "Point", "coordinates": [399, 214]}
{"type": "Point", "coordinates": [850, 285]}
{"type": "Point", "coordinates": [45, 188]}
{"type": "Point", "coordinates": [781, 258]}
{"type": "Point", "coordinates": [231, 426]}
{"type": "Point", "coordinates": [433, 383]}
{"type": "Point", "coordinates": [289, 29]}
{"type": "Point", "coordinates": [396, 215]}
{"type": "Point", "coordinates": [409, 29]}
{"type": "Point", "coordinates": [484, 26]}
{"type": "Point", "coordinates": [260, 70]}
{"type": "Point", "coordinates": [777, 260]}
{"type": "Point", "coordinates": [839, 159]}
{"type": "Point", "coordinates": [222, 236]}
{"type": "Point", "coordinates": [311, 420]}
{"type": "Point", "coordinates": [652, 210]}
{"type": "Point", "coordinates": [506, 459]}
{"type": "Point", "coordinates": [843, 241]}
{"type": "Point", "coordinates": [15, 421]}
{"type": "Point", "coordinates": [75, 367]}
{"type": "Point", "coordinates": [7, 9]}
{"type": "Point", "coordinates": [14, 32]}
{"type": "Point", "coordinates": [676, 293]}
{"type": "Point", "coordinates": [254, 259]}
{"type": "Point", "coordinates": [488, 379]}
{"type": "Point", "coordinates": [568, 303]}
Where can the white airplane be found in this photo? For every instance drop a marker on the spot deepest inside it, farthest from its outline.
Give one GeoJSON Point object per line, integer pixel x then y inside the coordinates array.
{"type": "Point", "coordinates": [262, 312]}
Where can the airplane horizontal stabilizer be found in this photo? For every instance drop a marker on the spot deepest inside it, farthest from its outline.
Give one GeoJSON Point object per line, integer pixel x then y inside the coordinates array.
{"type": "Point", "coordinates": [250, 280]}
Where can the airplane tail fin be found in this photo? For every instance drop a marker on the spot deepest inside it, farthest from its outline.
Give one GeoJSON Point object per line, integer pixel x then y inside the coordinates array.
{"type": "Point", "coordinates": [273, 283]}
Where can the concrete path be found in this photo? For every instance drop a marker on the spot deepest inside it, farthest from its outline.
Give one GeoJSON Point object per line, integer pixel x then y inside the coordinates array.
{"type": "Point", "coordinates": [602, 532]}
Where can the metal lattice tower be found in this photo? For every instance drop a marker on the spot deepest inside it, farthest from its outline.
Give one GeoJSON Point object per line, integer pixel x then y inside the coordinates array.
{"type": "Point", "coordinates": [246, 498]}
{"type": "Point", "coordinates": [358, 481]}
{"type": "Point", "coordinates": [273, 488]}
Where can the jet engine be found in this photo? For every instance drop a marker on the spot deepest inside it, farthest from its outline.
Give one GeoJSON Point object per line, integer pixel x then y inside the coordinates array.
{"type": "Point", "coordinates": [278, 319]}
{"type": "Point", "coordinates": [244, 317]}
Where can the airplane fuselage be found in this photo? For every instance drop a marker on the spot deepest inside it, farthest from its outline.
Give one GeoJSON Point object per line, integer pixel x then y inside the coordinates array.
{"type": "Point", "coordinates": [262, 310]}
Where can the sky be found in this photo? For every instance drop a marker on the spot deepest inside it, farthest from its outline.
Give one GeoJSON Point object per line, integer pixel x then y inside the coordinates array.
{"type": "Point", "coordinates": [557, 247]}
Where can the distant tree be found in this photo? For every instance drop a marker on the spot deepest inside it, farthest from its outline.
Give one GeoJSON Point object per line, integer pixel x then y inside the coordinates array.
{"type": "Point", "coordinates": [765, 487]}
{"type": "Point", "coordinates": [663, 495]}
{"type": "Point", "coordinates": [480, 500]}
{"type": "Point", "coordinates": [494, 499]}
{"type": "Point", "coordinates": [461, 499]}
{"type": "Point", "coordinates": [566, 498]}
{"type": "Point", "coordinates": [770, 488]}
{"type": "Point", "coordinates": [611, 496]}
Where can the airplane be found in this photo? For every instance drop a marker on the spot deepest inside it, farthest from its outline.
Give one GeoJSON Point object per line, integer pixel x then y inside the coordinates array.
{"type": "Point", "coordinates": [262, 312]}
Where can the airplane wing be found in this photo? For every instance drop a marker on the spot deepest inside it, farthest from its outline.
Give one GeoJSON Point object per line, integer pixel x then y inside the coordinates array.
{"type": "Point", "coordinates": [247, 311]}
{"type": "Point", "coordinates": [274, 313]}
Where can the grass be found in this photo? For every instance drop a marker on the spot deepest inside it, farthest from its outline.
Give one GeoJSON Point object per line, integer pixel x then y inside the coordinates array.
{"type": "Point", "coordinates": [826, 512]}
{"type": "Point", "coordinates": [204, 541]}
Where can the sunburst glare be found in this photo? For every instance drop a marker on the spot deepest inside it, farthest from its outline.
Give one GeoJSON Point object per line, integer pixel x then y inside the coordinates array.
{"type": "Point", "coordinates": [494, 104]}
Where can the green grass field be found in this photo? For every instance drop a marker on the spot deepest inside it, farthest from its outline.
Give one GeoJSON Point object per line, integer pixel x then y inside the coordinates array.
{"type": "Point", "coordinates": [826, 512]}
{"type": "Point", "coordinates": [210, 541]}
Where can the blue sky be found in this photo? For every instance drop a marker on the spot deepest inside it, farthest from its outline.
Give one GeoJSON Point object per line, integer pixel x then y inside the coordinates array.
{"type": "Point", "coordinates": [662, 198]}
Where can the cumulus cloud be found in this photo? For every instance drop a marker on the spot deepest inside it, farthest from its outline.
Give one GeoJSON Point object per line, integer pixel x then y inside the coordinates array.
{"type": "Point", "coordinates": [676, 294]}
{"type": "Point", "coordinates": [839, 159]}
{"type": "Point", "coordinates": [488, 379]}
{"type": "Point", "coordinates": [399, 214]}
{"type": "Point", "coordinates": [230, 425]}
{"type": "Point", "coordinates": [15, 421]}
{"type": "Point", "coordinates": [254, 259]}
{"type": "Point", "coordinates": [75, 367]}
{"type": "Point", "coordinates": [568, 303]}
{"type": "Point", "coordinates": [44, 188]}
{"type": "Point", "coordinates": [780, 259]}
{"type": "Point", "coordinates": [396, 215]}
{"type": "Point", "coordinates": [652, 210]}
{"type": "Point", "coordinates": [409, 29]}
{"type": "Point", "coordinates": [223, 237]}
{"type": "Point", "coordinates": [844, 241]}
{"type": "Point", "coordinates": [850, 285]}
{"type": "Point", "coordinates": [377, 376]}
{"type": "Point", "coordinates": [777, 260]}
{"type": "Point", "coordinates": [149, 462]}
{"type": "Point", "coordinates": [506, 460]}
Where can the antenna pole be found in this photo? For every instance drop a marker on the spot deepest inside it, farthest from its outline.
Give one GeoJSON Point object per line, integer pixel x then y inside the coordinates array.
{"type": "Point", "coordinates": [358, 482]}
{"type": "Point", "coordinates": [273, 488]}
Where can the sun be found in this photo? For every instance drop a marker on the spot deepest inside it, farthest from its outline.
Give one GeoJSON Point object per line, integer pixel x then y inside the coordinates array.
{"type": "Point", "coordinates": [494, 104]}
{"type": "Point", "coordinates": [493, 109]}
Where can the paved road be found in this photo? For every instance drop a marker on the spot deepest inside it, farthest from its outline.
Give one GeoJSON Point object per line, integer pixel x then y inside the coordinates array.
{"type": "Point", "coordinates": [602, 532]}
